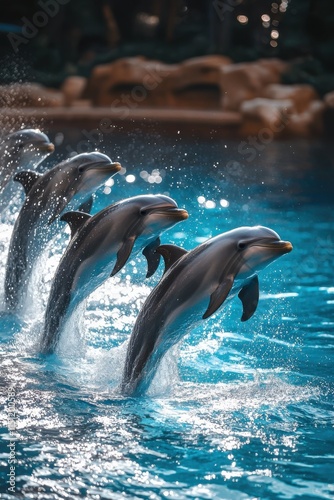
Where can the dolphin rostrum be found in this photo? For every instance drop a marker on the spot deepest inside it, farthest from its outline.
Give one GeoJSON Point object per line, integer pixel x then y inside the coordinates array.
{"type": "Point", "coordinates": [100, 247]}
{"type": "Point", "coordinates": [25, 148]}
{"type": "Point", "coordinates": [194, 286]}
{"type": "Point", "coordinates": [70, 182]}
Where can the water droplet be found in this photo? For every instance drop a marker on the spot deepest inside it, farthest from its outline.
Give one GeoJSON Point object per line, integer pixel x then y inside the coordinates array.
{"type": "Point", "coordinates": [130, 178]}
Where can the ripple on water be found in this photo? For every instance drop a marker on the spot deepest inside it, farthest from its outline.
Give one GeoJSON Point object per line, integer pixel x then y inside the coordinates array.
{"type": "Point", "coordinates": [237, 411]}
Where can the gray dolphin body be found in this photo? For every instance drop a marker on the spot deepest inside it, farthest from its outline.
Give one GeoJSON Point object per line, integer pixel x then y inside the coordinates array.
{"type": "Point", "coordinates": [70, 182]}
{"type": "Point", "coordinates": [195, 285]}
{"type": "Point", "coordinates": [100, 247]}
{"type": "Point", "coordinates": [25, 148]}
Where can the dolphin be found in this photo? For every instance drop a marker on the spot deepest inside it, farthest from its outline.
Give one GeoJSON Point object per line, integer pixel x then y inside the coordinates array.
{"type": "Point", "coordinates": [194, 286]}
{"type": "Point", "coordinates": [70, 182]}
{"type": "Point", "coordinates": [25, 148]}
{"type": "Point", "coordinates": [100, 247]}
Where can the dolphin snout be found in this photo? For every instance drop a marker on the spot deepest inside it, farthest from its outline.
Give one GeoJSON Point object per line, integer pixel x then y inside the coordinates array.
{"type": "Point", "coordinates": [182, 213]}
{"type": "Point", "coordinates": [49, 147]}
{"type": "Point", "coordinates": [112, 167]}
{"type": "Point", "coordinates": [286, 246]}
{"type": "Point", "coordinates": [177, 213]}
{"type": "Point", "coordinates": [280, 245]}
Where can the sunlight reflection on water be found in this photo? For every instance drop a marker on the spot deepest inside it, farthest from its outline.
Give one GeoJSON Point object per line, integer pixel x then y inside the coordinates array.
{"type": "Point", "coordinates": [238, 410]}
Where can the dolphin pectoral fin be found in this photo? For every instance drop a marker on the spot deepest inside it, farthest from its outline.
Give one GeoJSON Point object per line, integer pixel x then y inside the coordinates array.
{"type": "Point", "coordinates": [87, 205]}
{"type": "Point", "coordinates": [27, 178]}
{"type": "Point", "coordinates": [75, 220]}
{"type": "Point", "coordinates": [152, 257]}
{"type": "Point", "coordinates": [171, 254]}
{"type": "Point", "coordinates": [123, 255]}
{"type": "Point", "coordinates": [249, 296]}
{"type": "Point", "coordinates": [219, 296]}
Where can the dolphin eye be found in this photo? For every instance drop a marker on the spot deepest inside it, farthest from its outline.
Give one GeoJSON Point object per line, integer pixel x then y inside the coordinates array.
{"type": "Point", "coordinates": [241, 245]}
{"type": "Point", "coordinates": [81, 170]}
{"type": "Point", "coordinates": [143, 211]}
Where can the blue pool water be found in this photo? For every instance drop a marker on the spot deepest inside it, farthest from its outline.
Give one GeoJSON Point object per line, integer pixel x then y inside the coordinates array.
{"type": "Point", "coordinates": [238, 410]}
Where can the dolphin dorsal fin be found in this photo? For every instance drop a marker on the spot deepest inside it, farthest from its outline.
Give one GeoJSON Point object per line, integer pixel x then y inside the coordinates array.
{"type": "Point", "coordinates": [27, 178]}
{"type": "Point", "coordinates": [152, 257]}
{"type": "Point", "coordinates": [75, 220]}
{"type": "Point", "coordinates": [219, 296]}
{"type": "Point", "coordinates": [171, 254]}
{"type": "Point", "coordinates": [249, 296]}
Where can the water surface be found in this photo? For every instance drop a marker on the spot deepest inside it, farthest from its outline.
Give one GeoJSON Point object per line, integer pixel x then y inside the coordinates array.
{"type": "Point", "coordinates": [238, 410]}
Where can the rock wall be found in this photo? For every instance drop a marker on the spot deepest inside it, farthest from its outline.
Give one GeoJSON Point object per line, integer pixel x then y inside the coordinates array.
{"type": "Point", "coordinates": [211, 83]}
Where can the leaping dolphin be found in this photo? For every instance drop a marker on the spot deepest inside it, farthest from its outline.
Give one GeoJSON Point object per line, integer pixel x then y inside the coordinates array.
{"type": "Point", "coordinates": [25, 148]}
{"type": "Point", "coordinates": [70, 182]}
{"type": "Point", "coordinates": [194, 286]}
{"type": "Point", "coordinates": [100, 247]}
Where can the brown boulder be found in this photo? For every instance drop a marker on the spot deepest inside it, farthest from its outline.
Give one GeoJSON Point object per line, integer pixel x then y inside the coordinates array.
{"type": "Point", "coordinates": [128, 82]}
{"type": "Point", "coordinates": [261, 113]}
{"type": "Point", "coordinates": [300, 95]}
{"type": "Point", "coordinates": [195, 83]}
{"type": "Point", "coordinates": [329, 99]}
{"type": "Point", "coordinates": [134, 82]}
{"type": "Point", "coordinates": [72, 89]}
{"type": "Point", "coordinates": [280, 118]}
{"type": "Point", "coordinates": [308, 123]}
{"type": "Point", "coordinates": [274, 65]}
{"type": "Point", "coordinates": [244, 81]}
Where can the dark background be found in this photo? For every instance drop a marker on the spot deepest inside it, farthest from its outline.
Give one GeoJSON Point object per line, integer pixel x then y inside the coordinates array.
{"type": "Point", "coordinates": [84, 33]}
